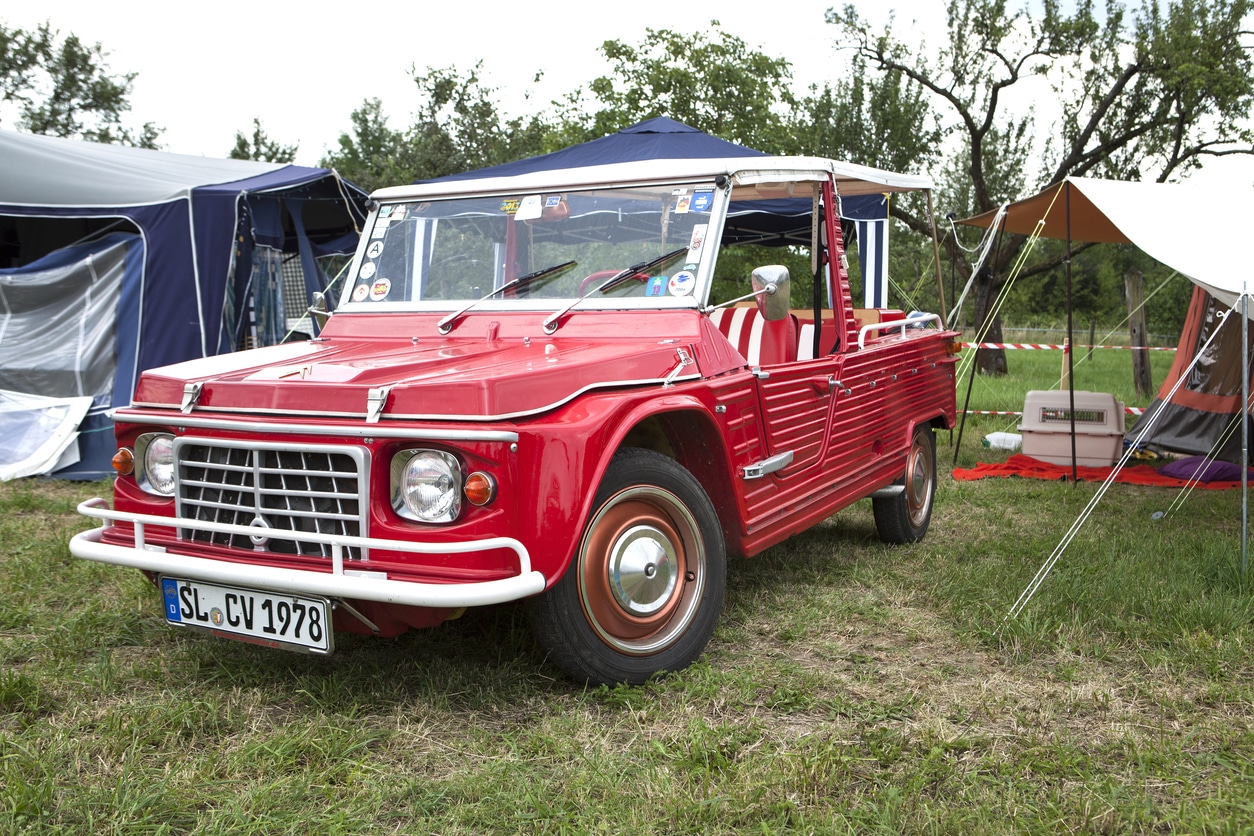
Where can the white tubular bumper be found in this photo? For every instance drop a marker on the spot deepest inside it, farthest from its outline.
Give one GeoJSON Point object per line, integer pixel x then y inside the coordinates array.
{"type": "Point", "coordinates": [358, 582]}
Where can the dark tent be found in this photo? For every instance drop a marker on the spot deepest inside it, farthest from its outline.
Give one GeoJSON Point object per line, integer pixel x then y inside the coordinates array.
{"type": "Point", "coordinates": [193, 254]}
{"type": "Point", "coordinates": [1199, 414]}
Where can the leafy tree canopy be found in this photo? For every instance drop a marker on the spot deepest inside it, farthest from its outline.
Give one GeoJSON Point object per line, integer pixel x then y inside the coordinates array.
{"type": "Point", "coordinates": [459, 127]}
{"type": "Point", "coordinates": [1147, 94]}
{"type": "Point", "coordinates": [261, 147]}
{"type": "Point", "coordinates": [711, 80]}
{"type": "Point", "coordinates": [63, 87]}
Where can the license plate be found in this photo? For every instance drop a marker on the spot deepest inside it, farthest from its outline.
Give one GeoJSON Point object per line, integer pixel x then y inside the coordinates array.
{"type": "Point", "coordinates": [292, 622]}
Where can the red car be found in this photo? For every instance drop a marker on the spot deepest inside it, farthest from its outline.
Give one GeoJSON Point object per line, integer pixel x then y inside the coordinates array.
{"type": "Point", "coordinates": [525, 393]}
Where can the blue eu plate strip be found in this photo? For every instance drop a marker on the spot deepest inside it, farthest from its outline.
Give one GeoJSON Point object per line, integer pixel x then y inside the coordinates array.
{"type": "Point", "coordinates": [170, 589]}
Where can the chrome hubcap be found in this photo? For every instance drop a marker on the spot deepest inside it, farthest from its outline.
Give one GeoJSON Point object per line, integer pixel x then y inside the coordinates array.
{"type": "Point", "coordinates": [918, 483]}
{"type": "Point", "coordinates": [642, 570]}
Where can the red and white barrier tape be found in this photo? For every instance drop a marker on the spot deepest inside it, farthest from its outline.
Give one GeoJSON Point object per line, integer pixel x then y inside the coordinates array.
{"type": "Point", "coordinates": [1130, 410]}
{"type": "Point", "coordinates": [1063, 347]}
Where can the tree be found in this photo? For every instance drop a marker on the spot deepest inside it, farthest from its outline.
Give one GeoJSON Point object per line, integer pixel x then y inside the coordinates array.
{"type": "Point", "coordinates": [833, 121]}
{"type": "Point", "coordinates": [64, 88]}
{"type": "Point", "coordinates": [261, 147]}
{"type": "Point", "coordinates": [459, 128]}
{"type": "Point", "coordinates": [1141, 95]}
{"type": "Point", "coordinates": [711, 81]}
{"type": "Point", "coordinates": [373, 155]}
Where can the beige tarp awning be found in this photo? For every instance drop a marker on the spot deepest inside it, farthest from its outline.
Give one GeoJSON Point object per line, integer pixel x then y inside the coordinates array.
{"type": "Point", "coordinates": [1198, 229]}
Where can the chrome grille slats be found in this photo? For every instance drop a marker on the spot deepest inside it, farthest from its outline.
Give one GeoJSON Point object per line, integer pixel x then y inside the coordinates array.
{"type": "Point", "coordinates": [298, 488]}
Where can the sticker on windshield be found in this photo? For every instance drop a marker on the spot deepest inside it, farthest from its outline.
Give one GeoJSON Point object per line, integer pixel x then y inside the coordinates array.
{"type": "Point", "coordinates": [375, 249]}
{"type": "Point", "coordinates": [380, 227]}
{"type": "Point", "coordinates": [682, 203]}
{"type": "Point", "coordinates": [701, 201]}
{"type": "Point", "coordinates": [367, 270]}
{"type": "Point", "coordinates": [380, 289]}
{"type": "Point", "coordinates": [361, 292]}
{"type": "Point", "coordinates": [698, 238]}
{"type": "Point", "coordinates": [656, 286]}
{"type": "Point", "coordinates": [682, 284]}
{"type": "Point", "coordinates": [529, 209]}
{"type": "Point", "coordinates": [510, 205]}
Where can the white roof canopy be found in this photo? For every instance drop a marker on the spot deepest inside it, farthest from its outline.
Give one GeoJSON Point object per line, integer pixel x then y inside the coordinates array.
{"type": "Point", "coordinates": [850, 179]}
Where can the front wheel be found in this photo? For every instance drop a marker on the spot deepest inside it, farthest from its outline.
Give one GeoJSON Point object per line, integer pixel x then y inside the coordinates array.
{"type": "Point", "coordinates": [904, 517]}
{"type": "Point", "coordinates": [643, 593]}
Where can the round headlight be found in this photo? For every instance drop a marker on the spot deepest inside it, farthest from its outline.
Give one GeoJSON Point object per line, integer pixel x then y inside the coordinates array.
{"type": "Point", "coordinates": [155, 454]}
{"type": "Point", "coordinates": [427, 486]}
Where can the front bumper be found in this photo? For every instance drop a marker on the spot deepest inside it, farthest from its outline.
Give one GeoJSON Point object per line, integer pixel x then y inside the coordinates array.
{"type": "Point", "coordinates": [340, 582]}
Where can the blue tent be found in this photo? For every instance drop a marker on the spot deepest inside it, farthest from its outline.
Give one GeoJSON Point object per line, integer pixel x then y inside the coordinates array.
{"type": "Point", "coordinates": [660, 138]}
{"type": "Point", "coordinates": [208, 243]}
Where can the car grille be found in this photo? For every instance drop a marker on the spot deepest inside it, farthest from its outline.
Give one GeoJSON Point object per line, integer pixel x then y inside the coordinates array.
{"type": "Point", "coordinates": [298, 488]}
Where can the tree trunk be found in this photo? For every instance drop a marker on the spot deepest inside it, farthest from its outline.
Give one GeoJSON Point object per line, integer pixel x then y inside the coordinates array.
{"type": "Point", "coordinates": [990, 361]}
{"type": "Point", "coordinates": [1134, 286]}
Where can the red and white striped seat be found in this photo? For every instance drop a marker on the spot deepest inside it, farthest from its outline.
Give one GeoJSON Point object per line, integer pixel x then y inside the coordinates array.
{"type": "Point", "coordinates": [760, 342]}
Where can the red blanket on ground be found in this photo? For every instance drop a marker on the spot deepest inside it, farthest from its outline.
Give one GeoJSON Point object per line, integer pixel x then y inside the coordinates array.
{"type": "Point", "coordinates": [1030, 468]}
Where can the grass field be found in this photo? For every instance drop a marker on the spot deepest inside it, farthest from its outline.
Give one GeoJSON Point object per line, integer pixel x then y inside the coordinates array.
{"type": "Point", "coordinates": [850, 687]}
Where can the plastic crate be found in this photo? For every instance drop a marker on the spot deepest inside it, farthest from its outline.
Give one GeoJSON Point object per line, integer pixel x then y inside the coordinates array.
{"type": "Point", "coordinates": [1046, 427]}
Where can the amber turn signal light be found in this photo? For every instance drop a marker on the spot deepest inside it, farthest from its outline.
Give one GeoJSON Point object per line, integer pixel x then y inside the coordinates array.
{"type": "Point", "coordinates": [480, 488]}
{"type": "Point", "coordinates": [124, 462]}
{"type": "Point", "coordinates": [952, 347]}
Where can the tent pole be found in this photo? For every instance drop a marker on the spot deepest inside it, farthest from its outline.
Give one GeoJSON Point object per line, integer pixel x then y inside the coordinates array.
{"type": "Point", "coordinates": [1245, 429]}
{"type": "Point", "coordinates": [1075, 477]}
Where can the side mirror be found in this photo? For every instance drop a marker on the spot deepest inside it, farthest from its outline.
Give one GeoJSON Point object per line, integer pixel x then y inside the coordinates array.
{"type": "Point", "coordinates": [772, 287]}
{"type": "Point", "coordinates": [318, 310]}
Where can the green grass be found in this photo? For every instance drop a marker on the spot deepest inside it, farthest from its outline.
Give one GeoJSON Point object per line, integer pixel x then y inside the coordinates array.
{"type": "Point", "coordinates": [851, 687]}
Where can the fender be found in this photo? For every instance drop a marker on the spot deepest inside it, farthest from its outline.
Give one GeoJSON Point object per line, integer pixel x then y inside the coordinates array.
{"type": "Point", "coordinates": [584, 441]}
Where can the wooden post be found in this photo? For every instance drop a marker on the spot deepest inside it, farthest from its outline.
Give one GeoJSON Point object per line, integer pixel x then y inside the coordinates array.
{"type": "Point", "coordinates": [1065, 377]}
{"type": "Point", "coordinates": [1092, 337]}
{"type": "Point", "coordinates": [1134, 286]}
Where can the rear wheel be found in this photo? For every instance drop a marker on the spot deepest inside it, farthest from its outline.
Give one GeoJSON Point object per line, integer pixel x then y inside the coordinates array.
{"type": "Point", "coordinates": [904, 517]}
{"type": "Point", "coordinates": [643, 593]}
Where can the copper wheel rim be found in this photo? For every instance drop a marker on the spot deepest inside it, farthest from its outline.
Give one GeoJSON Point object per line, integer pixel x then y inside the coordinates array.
{"type": "Point", "coordinates": [641, 570]}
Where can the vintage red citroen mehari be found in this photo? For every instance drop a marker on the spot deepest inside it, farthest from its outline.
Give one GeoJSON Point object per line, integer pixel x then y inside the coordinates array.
{"type": "Point", "coordinates": [526, 393]}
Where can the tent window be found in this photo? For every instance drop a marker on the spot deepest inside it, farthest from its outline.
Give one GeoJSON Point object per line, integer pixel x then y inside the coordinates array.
{"type": "Point", "coordinates": [27, 239]}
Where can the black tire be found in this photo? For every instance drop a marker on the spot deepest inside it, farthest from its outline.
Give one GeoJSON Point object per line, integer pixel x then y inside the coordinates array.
{"type": "Point", "coordinates": [643, 593]}
{"type": "Point", "coordinates": [904, 518]}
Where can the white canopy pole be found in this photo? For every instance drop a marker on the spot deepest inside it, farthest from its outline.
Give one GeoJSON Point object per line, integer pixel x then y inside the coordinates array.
{"type": "Point", "coordinates": [1245, 427]}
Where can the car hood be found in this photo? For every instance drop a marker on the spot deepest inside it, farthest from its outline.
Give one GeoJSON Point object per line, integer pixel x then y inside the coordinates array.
{"type": "Point", "coordinates": [463, 379]}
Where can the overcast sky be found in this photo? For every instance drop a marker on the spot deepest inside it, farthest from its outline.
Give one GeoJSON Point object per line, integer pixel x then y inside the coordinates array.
{"type": "Point", "coordinates": [206, 70]}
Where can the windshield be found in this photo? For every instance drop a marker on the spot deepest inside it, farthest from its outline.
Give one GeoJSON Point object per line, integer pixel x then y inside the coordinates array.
{"type": "Point", "coordinates": [531, 250]}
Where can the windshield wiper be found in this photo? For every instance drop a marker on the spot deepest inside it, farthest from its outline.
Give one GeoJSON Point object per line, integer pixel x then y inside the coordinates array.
{"type": "Point", "coordinates": [445, 325]}
{"type": "Point", "coordinates": [550, 324]}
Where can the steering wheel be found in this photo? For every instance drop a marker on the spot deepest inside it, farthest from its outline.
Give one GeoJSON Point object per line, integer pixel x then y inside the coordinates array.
{"type": "Point", "coordinates": [599, 276]}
